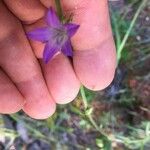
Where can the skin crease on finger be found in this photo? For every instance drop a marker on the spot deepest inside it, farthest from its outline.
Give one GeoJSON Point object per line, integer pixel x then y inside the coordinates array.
{"type": "Point", "coordinates": [27, 11]}
{"type": "Point", "coordinates": [20, 64]}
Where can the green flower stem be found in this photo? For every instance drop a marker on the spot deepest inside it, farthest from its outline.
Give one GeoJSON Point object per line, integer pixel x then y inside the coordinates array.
{"type": "Point", "coordinates": [59, 9]}
{"type": "Point", "coordinates": [84, 99]}
{"type": "Point", "coordinates": [89, 116]}
{"type": "Point", "coordinates": [93, 123]}
{"type": "Point", "coordinates": [85, 103]}
{"type": "Point", "coordinates": [116, 31]}
{"type": "Point", "coordinates": [130, 29]}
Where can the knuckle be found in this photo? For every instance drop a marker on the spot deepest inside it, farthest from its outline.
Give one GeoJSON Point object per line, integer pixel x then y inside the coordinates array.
{"type": "Point", "coordinates": [9, 24]}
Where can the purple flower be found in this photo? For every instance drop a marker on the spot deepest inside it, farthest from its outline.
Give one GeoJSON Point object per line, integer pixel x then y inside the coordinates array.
{"type": "Point", "coordinates": [55, 35]}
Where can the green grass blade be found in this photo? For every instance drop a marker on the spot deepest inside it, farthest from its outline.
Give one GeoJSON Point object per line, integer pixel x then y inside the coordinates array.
{"type": "Point", "coordinates": [119, 51]}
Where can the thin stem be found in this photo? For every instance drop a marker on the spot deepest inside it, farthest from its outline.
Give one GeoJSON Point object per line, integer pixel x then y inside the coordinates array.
{"type": "Point", "coordinates": [84, 99]}
{"type": "Point", "coordinates": [130, 29]}
{"type": "Point", "coordinates": [93, 122]}
{"type": "Point", "coordinates": [89, 116]}
{"type": "Point", "coordinates": [127, 10]}
{"type": "Point", "coordinates": [59, 9]}
{"type": "Point", "coordinates": [116, 30]}
{"type": "Point", "coordinates": [85, 103]}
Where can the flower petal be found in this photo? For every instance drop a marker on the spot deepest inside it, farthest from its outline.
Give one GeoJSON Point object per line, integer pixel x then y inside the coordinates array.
{"type": "Point", "coordinates": [40, 34]}
{"type": "Point", "coordinates": [49, 52]}
{"type": "Point", "coordinates": [67, 49]}
{"type": "Point", "coordinates": [52, 18]}
{"type": "Point", "coordinates": [71, 28]}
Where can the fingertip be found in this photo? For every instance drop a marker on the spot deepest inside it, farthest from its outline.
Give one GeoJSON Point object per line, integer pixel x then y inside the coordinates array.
{"type": "Point", "coordinates": [67, 96]}
{"type": "Point", "coordinates": [61, 79]}
{"type": "Point", "coordinates": [11, 100]}
{"type": "Point", "coordinates": [96, 68]}
{"type": "Point", "coordinates": [39, 103]}
{"type": "Point", "coordinates": [40, 110]}
{"type": "Point", "coordinates": [11, 107]}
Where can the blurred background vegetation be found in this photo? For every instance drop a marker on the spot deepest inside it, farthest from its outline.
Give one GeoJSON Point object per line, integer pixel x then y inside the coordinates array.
{"type": "Point", "coordinates": [117, 118]}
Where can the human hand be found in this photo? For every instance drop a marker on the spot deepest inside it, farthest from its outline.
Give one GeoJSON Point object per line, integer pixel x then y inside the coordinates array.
{"type": "Point", "coordinates": [29, 84]}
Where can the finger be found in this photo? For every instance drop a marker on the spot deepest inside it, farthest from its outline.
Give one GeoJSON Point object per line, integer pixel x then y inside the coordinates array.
{"type": "Point", "coordinates": [94, 57]}
{"type": "Point", "coordinates": [11, 100]}
{"type": "Point", "coordinates": [61, 79]}
{"type": "Point", "coordinates": [59, 74]}
{"type": "Point", "coordinates": [20, 64]}
{"type": "Point", "coordinates": [28, 11]}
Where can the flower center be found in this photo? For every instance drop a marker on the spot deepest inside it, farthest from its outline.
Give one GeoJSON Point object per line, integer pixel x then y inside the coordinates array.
{"type": "Point", "coordinates": [60, 36]}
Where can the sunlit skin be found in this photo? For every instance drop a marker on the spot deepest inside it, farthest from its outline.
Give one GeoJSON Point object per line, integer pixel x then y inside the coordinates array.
{"type": "Point", "coordinates": [29, 84]}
